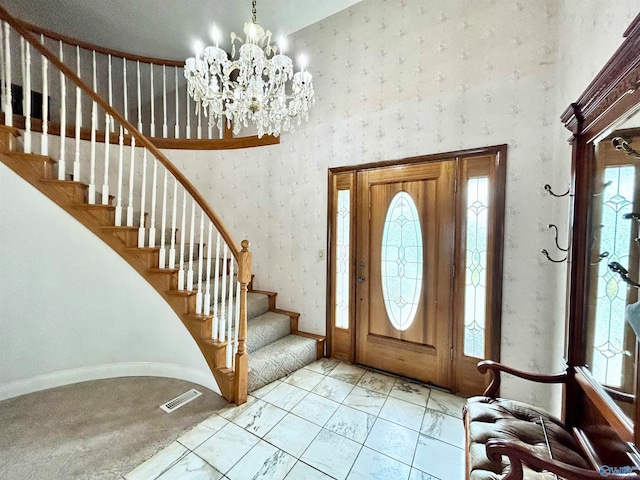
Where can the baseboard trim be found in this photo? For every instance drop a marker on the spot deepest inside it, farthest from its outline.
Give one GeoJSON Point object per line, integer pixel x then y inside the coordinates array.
{"type": "Point", "coordinates": [99, 372]}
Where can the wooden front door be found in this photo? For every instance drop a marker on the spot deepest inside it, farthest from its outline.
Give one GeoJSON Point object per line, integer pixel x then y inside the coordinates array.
{"type": "Point", "coordinates": [404, 269]}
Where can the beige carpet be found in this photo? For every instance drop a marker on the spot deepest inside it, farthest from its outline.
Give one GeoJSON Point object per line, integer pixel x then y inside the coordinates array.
{"type": "Point", "coordinates": [94, 430]}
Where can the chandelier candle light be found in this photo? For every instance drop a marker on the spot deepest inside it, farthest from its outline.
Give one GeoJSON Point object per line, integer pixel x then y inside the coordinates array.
{"type": "Point", "coordinates": [259, 86]}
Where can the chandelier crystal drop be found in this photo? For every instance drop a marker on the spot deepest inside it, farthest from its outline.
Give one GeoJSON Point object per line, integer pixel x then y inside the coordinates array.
{"type": "Point", "coordinates": [258, 86]}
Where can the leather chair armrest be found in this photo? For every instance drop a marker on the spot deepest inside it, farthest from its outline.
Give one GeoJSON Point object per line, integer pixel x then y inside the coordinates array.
{"type": "Point", "coordinates": [496, 368]}
{"type": "Point", "coordinates": [519, 455]}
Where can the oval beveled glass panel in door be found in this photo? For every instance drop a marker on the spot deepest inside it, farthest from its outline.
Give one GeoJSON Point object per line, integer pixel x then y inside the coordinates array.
{"type": "Point", "coordinates": [401, 261]}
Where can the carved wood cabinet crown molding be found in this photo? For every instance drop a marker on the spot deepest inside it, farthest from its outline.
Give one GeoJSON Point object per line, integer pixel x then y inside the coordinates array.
{"type": "Point", "coordinates": [618, 78]}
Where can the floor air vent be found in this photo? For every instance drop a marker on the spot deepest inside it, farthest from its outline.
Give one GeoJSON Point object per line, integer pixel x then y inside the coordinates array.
{"type": "Point", "coordinates": [180, 400]}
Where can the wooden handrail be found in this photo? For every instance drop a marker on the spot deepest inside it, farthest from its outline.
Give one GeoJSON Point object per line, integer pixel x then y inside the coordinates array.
{"type": "Point", "coordinates": [141, 140]}
{"type": "Point", "coordinates": [90, 46]}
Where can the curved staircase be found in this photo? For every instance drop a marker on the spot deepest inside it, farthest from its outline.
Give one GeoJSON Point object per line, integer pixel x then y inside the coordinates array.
{"type": "Point", "coordinates": [250, 345]}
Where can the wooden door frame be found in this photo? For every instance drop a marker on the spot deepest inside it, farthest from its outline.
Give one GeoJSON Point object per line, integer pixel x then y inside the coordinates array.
{"type": "Point", "coordinates": [500, 152]}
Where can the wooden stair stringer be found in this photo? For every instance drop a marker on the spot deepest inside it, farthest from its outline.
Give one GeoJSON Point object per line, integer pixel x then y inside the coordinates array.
{"type": "Point", "coordinates": [98, 219]}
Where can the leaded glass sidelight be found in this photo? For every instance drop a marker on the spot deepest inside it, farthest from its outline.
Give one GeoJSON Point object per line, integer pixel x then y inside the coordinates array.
{"type": "Point", "coordinates": [343, 219]}
{"type": "Point", "coordinates": [475, 291]}
{"type": "Point", "coordinates": [615, 238]}
{"type": "Point", "coordinates": [401, 261]}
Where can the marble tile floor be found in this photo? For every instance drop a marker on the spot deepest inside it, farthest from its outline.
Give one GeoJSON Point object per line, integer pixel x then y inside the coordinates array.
{"type": "Point", "coordinates": [329, 420]}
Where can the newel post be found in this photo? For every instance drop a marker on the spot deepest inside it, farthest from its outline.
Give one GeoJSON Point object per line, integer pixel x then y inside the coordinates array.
{"type": "Point", "coordinates": [242, 358]}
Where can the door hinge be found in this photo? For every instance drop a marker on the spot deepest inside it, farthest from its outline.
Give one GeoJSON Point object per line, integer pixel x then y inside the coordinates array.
{"type": "Point", "coordinates": [455, 186]}
{"type": "Point", "coordinates": [453, 272]}
{"type": "Point", "coordinates": [451, 354]}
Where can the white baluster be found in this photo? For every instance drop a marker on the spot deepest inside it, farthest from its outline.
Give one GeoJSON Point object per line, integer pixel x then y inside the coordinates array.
{"type": "Point", "coordinates": [8, 108]}
{"type": "Point", "coordinates": [230, 312]}
{"type": "Point", "coordinates": [188, 128]}
{"type": "Point", "coordinates": [184, 216]}
{"type": "Point", "coordinates": [223, 296]}
{"type": "Point", "coordinates": [107, 146]}
{"type": "Point", "coordinates": [142, 199]}
{"type": "Point", "coordinates": [200, 261]}
{"type": "Point", "coordinates": [111, 122]}
{"type": "Point", "coordinates": [132, 166]}
{"type": "Point", "coordinates": [91, 195]}
{"type": "Point", "coordinates": [27, 99]}
{"type": "Point", "coordinates": [76, 162]}
{"type": "Point", "coordinates": [164, 102]}
{"type": "Point", "coordinates": [207, 294]}
{"type": "Point", "coordinates": [209, 131]}
{"type": "Point", "coordinates": [120, 172]}
{"type": "Point", "coordinates": [216, 284]}
{"type": "Point", "coordinates": [44, 140]}
{"type": "Point", "coordinates": [237, 321]}
{"type": "Point", "coordinates": [124, 89]}
{"type": "Point", "coordinates": [199, 114]}
{"type": "Point", "coordinates": [176, 132]}
{"type": "Point", "coordinates": [139, 98]}
{"type": "Point", "coordinates": [174, 219]}
{"type": "Point", "coordinates": [153, 104]}
{"type": "Point", "coordinates": [154, 187]}
{"type": "Point", "coordinates": [62, 169]}
{"type": "Point", "coordinates": [22, 72]}
{"type": "Point", "coordinates": [191, 245]}
{"type": "Point", "coordinates": [163, 224]}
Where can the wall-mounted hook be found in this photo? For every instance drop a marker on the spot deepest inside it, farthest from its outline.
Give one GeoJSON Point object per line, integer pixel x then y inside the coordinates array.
{"type": "Point", "coordinates": [546, 254]}
{"type": "Point", "coordinates": [551, 225]}
{"type": "Point", "coordinates": [547, 187]}
{"type": "Point", "coordinates": [633, 215]}
{"type": "Point", "coordinates": [623, 145]}
{"type": "Point", "coordinates": [600, 257]}
{"type": "Point", "coordinates": [615, 267]}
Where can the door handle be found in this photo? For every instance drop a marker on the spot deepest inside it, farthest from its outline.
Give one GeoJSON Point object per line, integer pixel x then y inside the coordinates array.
{"type": "Point", "coordinates": [361, 279]}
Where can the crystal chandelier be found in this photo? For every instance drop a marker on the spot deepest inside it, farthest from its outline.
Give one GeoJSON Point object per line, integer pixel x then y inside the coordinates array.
{"type": "Point", "coordinates": [259, 86]}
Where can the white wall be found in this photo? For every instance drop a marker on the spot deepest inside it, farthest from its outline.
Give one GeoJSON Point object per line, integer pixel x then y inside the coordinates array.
{"type": "Point", "coordinates": [71, 309]}
{"type": "Point", "coordinates": [398, 79]}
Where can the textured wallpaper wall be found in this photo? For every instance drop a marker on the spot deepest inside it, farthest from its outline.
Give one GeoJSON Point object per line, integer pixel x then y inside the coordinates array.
{"type": "Point", "coordinates": [402, 78]}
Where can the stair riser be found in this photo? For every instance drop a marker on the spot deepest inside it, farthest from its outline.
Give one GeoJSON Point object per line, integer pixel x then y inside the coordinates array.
{"type": "Point", "coordinates": [217, 354]}
{"type": "Point", "coordinates": [8, 140]}
{"type": "Point", "coordinates": [98, 215]}
{"type": "Point", "coordinates": [75, 194]}
{"type": "Point", "coordinates": [145, 258]}
{"type": "Point", "coordinates": [30, 173]}
{"type": "Point", "coordinates": [186, 303]}
{"type": "Point", "coordinates": [129, 238]}
{"type": "Point", "coordinates": [199, 328]}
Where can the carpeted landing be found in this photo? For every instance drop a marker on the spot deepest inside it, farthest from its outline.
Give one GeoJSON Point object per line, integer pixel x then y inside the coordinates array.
{"type": "Point", "coordinates": [95, 430]}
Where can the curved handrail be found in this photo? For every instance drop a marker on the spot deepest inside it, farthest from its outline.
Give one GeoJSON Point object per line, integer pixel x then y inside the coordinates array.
{"type": "Point", "coordinates": [140, 139]}
{"type": "Point", "coordinates": [90, 46]}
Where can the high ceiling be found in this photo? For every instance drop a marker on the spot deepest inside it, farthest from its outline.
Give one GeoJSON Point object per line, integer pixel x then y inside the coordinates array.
{"type": "Point", "coordinates": [166, 28]}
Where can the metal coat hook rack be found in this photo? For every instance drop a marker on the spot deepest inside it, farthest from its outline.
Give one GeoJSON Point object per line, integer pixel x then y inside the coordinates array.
{"type": "Point", "coordinates": [547, 187]}
{"type": "Point", "coordinates": [615, 267]}
{"type": "Point", "coordinates": [546, 253]}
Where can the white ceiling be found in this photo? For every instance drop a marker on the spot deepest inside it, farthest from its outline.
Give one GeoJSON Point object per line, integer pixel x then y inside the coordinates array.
{"type": "Point", "coordinates": [166, 28]}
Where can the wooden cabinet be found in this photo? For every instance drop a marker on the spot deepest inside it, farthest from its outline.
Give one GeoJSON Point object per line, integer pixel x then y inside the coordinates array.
{"type": "Point", "coordinates": [606, 195]}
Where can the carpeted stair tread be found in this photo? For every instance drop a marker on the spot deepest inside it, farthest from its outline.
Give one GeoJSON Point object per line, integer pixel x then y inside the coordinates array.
{"type": "Point", "coordinates": [279, 359]}
{"type": "Point", "coordinates": [267, 328]}
{"type": "Point", "coordinates": [257, 304]}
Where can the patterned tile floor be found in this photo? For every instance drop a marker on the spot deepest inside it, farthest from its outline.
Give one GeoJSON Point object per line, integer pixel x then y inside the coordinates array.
{"type": "Point", "coordinates": [327, 420]}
